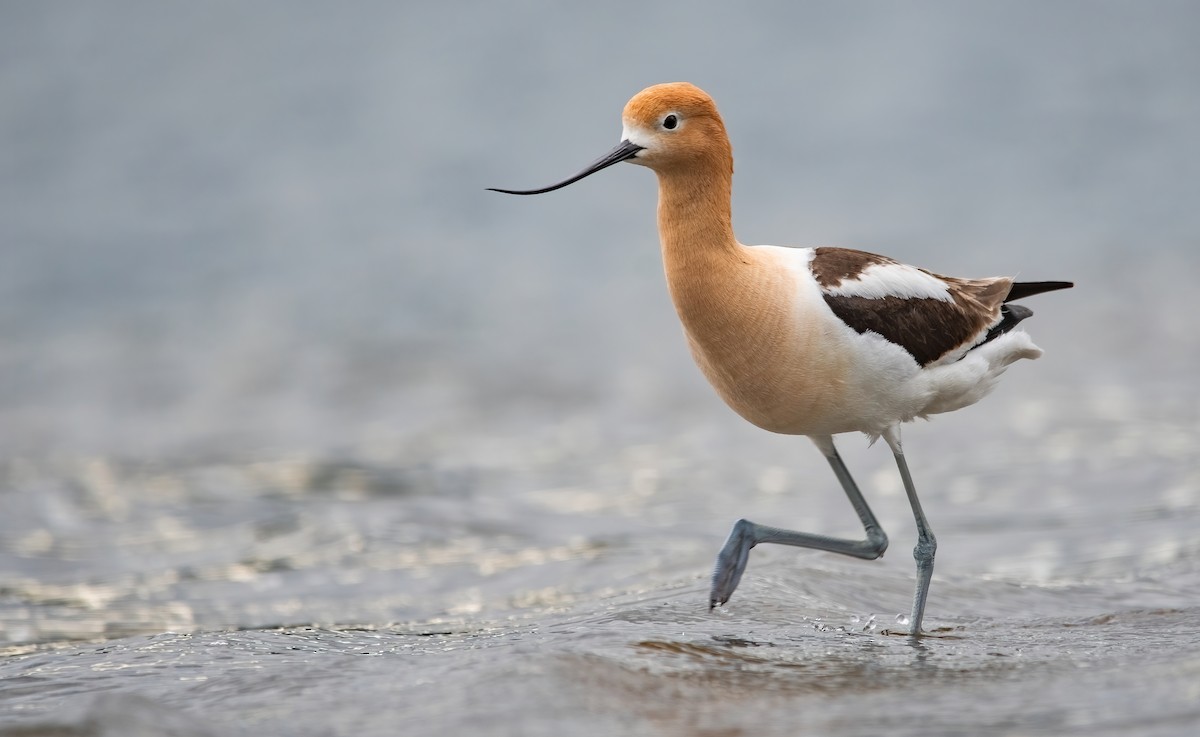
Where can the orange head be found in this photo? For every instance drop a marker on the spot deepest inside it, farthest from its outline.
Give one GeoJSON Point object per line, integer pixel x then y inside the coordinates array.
{"type": "Point", "coordinates": [670, 128]}
{"type": "Point", "coordinates": [677, 126]}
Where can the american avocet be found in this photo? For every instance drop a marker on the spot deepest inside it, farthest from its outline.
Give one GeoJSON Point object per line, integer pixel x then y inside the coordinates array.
{"type": "Point", "coordinates": [810, 341]}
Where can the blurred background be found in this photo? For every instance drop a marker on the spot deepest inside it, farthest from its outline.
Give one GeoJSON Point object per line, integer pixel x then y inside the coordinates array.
{"type": "Point", "coordinates": [270, 354]}
{"type": "Point", "coordinates": [228, 228]}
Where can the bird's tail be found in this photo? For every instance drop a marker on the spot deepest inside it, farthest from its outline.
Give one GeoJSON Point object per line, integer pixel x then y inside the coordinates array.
{"type": "Point", "coordinates": [1023, 289]}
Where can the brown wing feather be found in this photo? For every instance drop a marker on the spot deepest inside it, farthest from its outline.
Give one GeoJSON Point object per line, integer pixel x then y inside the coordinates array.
{"type": "Point", "coordinates": [927, 328]}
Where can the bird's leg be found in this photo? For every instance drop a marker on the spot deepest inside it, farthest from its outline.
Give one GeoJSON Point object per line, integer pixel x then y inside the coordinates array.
{"type": "Point", "coordinates": [926, 543]}
{"type": "Point", "coordinates": [731, 561]}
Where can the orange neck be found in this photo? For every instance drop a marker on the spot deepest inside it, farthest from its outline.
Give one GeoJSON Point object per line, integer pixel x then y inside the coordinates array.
{"type": "Point", "coordinates": [694, 225]}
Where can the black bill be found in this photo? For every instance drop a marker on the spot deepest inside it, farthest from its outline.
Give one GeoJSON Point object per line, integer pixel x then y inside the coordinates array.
{"type": "Point", "coordinates": [623, 151]}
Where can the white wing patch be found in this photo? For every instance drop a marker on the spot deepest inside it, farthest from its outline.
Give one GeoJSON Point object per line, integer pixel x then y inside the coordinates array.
{"type": "Point", "coordinates": [878, 281]}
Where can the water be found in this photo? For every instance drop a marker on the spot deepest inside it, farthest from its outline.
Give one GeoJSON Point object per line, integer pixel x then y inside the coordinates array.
{"type": "Point", "coordinates": [304, 433]}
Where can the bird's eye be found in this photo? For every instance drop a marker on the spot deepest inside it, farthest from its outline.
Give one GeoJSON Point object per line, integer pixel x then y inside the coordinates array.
{"type": "Point", "coordinates": [670, 122]}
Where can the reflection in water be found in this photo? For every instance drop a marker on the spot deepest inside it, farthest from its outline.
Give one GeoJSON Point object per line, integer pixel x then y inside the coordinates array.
{"type": "Point", "coordinates": [732, 670]}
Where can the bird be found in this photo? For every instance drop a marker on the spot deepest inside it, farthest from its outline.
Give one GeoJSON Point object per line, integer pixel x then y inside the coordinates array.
{"type": "Point", "coordinates": [811, 341]}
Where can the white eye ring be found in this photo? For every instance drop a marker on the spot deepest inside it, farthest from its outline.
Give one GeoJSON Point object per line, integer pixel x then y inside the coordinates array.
{"type": "Point", "coordinates": [670, 122]}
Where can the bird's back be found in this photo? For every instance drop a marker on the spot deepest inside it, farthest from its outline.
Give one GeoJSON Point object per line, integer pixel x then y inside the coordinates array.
{"type": "Point", "coordinates": [795, 356]}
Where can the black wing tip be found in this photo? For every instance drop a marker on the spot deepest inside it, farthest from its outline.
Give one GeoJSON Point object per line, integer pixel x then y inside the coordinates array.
{"type": "Point", "coordinates": [1010, 316]}
{"type": "Point", "coordinates": [1016, 313]}
{"type": "Point", "coordinates": [1023, 289]}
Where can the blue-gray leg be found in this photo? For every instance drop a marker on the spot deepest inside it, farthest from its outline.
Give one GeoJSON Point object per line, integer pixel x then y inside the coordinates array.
{"type": "Point", "coordinates": [926, 542]}
{"type": "Point", "coordinates": [731, 561]}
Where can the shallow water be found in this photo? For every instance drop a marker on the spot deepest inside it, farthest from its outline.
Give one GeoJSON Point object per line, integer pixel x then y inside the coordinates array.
{"type": "Point", "coordinates": [304, 433]}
